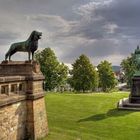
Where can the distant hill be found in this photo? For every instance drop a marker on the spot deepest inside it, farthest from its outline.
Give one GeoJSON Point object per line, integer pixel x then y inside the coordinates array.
{"type": "Point", "coordinates": [116, 68]}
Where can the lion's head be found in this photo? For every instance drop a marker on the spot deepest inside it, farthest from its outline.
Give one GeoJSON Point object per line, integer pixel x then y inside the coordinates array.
{"type": "Point", "coordinates": [35, 35]}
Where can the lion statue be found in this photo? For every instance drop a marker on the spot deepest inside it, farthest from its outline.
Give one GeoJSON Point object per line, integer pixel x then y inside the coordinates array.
{"type": "Point", "coordinates": [30, 46]}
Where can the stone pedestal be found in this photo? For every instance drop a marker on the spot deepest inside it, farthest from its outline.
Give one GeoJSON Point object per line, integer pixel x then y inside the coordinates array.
{"type": "Point", "coordinates": [133, 102]}
{"type": "Point", "coordinates": [22, 68]}
{"type": "Point", "coordinates": [135, 90]}
{"type": "Point", "coordinates": [126, 105]}
{"type": "Point", "coordinates": [23, 75]}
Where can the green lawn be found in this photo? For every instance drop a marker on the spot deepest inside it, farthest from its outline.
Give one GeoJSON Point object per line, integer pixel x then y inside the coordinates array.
{"type": "Point", "coordinates": [90, 117]}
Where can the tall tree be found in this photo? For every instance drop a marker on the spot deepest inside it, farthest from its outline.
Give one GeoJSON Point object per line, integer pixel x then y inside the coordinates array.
{"type": "Point", "coordinates": [84, 76]}
{"type": "Point", "coordinates": [129, 67]}
{"type": "Point", "coordinates": [107, 79]}
{"type": "Point", "coordinates": [54, 72]}
{"type": "Point", "coordinates": [62, 74]}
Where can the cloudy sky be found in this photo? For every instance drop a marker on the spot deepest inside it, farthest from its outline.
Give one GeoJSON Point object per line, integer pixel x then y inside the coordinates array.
{"type": "Point", "coordinates": [101, 29]}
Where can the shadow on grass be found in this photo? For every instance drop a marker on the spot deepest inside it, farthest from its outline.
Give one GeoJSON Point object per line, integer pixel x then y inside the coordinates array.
{"type": "Point", "coordinates": [110, 113]}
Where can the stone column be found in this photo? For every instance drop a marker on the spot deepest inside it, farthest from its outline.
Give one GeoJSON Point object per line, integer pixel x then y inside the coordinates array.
{"type": "Point", "coordinates": [17, 88]}
{"type": "Point", "coordinates": [37, 125]}
{"type": "Point", "coordinates": [9, 89]}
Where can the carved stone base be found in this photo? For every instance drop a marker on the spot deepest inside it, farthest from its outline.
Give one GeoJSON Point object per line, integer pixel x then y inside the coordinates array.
{"type": "Point", "coordinates": [127, 105]}
{"type": "Point", "coordinates": [11, 68]}
{"type": "Point", "coordinates": [133, 102]}
{"type": "Point", "coordinates": [22, 101]}
{"type": "Point", "coordinates": [134, 97]}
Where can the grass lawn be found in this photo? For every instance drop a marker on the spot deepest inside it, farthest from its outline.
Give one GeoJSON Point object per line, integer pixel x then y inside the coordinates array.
{"type": "Point", "coordinates": [90, 117]}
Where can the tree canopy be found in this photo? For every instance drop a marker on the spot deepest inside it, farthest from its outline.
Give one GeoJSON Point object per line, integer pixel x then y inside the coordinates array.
{"type": "Point", "coordinates": [129, 67]}
{"type": "Point", "coordinates": [54, 72]}
{"type": "Point", "coordinates": [84, 77]}
{"type": "Point", "coordinates": [107, 79]}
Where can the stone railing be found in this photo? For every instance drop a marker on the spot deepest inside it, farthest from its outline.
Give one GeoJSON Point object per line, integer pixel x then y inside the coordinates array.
{"type": "Point", "coordinates": [12, 85]}
{"type": "Point", "coordinates": [22, 105]}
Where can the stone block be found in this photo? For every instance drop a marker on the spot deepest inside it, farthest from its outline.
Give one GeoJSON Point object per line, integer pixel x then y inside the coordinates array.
{"type": "Point", "coordinates": [22, 114]}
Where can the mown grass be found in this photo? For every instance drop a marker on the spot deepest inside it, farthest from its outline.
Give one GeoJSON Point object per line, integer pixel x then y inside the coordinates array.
{"type": "Point", "coordinates": [90, 117]}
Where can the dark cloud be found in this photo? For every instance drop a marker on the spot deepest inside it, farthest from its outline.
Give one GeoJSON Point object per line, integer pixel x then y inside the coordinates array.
{"type": "Point", "coordinates": [89, 29]}
{"type": "Point", "coordinates": [101, 29]}
{"type": "Point", "coordinates": [125, 14]}
{"type": "Point", "coordinates": [122, 12]}
{"type": "Point", "coordinates": [117, 21]}
{"type": "Point", "coordinates": [53, 7]}
{"type": "Point", "coordinates": [6, 37]}
{"type": "Point", "coordinates": [99, 51]}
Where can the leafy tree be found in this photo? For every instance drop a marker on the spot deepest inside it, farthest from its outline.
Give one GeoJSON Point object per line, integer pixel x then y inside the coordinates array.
{"type": "Point", "coordinates": [107, 79]}
{"type": "Point", "coordinates": [84, 76]}
{"type": "Point", "coordinates": [129, 67]}
{"type": "Point", "coordinates": [54, 72]}
{"type": "Point", "coordinates": [63, 74]}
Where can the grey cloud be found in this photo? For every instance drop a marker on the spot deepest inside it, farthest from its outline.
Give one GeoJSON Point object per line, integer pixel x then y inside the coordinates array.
{"type": "Point", "coordinates": [52, 22]}
{"type": "Point", "coordinates": [7, 36]}
{"type": "Point", "coordinates": [123, 13]}
{"type": "Point", "coordinates": [92, 26]}
{"type": "Point", "coordinates": [89, 29]}
{"type": "Point", "coordinates": [53, 7]}
{"type": "Point", "coordinates": [92, 49]}
{"type": "Point", "coordinates": [97, 28]}
{"type": "Point", "coordinates": [99, 50]}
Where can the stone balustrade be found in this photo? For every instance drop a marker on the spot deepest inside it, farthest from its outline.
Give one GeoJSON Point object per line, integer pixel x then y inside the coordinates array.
{"type": "Point", "coordinates": [12, 85]}
{"type": "Point", "coordinates": [22, 105]}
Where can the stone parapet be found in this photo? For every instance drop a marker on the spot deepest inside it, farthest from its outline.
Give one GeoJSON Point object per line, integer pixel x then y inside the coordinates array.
{"type": "Point", "coordinates": [22, 106]}
{"type": "Point", "coordinates": [8, 79]}
{"type": "Point", "coordinates": [9, 100]}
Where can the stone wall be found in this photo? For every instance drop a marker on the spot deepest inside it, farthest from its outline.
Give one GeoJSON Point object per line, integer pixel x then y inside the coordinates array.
{"type": "Point", "coordinates": [22, 105]}
{"type": "Point", "coordinates": [22, 118]}
{"type": "Point", "coordinates": [40, 124]}
{"type": "Point", "coordinates": [13, 121]}
{"type": "Point", "coordinates": [36, 119]}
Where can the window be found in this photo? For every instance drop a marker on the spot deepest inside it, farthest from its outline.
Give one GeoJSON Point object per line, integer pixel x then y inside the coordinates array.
{"type": "Point", "coordinates": [20, 87]}
{"type": "Point", "coordinates": [4, 89]}
{"type": "Point", "coordinates": [14, 88]}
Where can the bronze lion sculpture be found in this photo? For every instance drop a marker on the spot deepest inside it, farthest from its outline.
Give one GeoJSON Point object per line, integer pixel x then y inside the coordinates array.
{"type": "Point", "coordinates": [30, 46]}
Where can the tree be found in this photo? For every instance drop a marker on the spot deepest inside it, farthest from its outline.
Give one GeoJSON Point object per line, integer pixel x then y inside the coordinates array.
{"type": "Point", "coordinates": [129, 67]}
{"type": "Point", "coordinates": [54, 72]}
{"type": "Point", "coordinates": [107, 79]}
{"type": "Point", "coordinates": [63, 74]}
{"type": "Point", "coordinates": [84, 76]}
